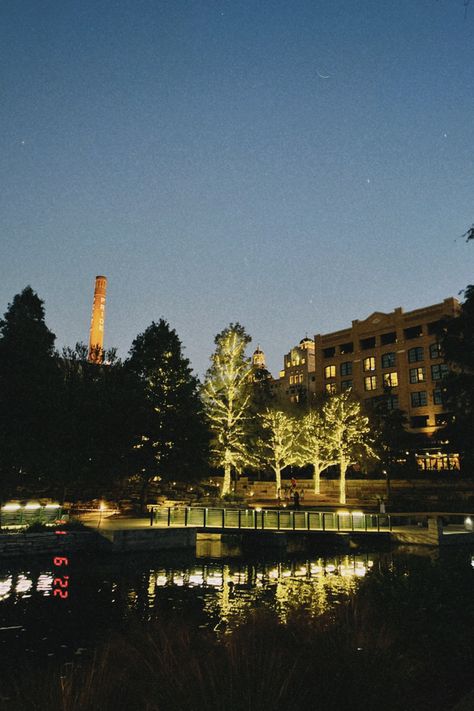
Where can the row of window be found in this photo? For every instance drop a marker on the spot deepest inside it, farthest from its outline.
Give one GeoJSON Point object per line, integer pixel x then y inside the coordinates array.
{"type": "Point", "coordinates": [388, 360]}
{"type": "Point", "coordinates": [295, 379]}
{"type": "Point", "coordinates": [416, 375]}
{"type": "Point", "coordinates": [385, 339]}
{"type": "Point", "coordinates": [418, 398]}
{"type": "Point", "coordinates": [438, 372]}
{"type": "Point", "coordinates": [295, 362]}
{"type": "Point", "coordinates": [441, 418]}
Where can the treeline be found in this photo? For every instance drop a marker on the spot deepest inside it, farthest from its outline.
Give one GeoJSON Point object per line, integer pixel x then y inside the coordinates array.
{"type": "Point", "coordinates": [69, 427]}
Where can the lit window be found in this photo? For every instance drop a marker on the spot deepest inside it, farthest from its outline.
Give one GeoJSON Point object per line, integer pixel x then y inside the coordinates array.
{"type": "Point", "coordinates": [440, 371]}
{"type": "Point", "coordinates": [435, 350]}
{"type": "Point", "coordinates": [390, 380]}
{"type": "Point", "coordinates": [415, 354]}
{"type": "Point", "coordinates": [370, 383]}
{"type": "Point", "coordinates": [301, 377]}
{"type": "Point", "coordinates": [369, 363]}
{"type": "Point", "coordinates": [417, 375]}
{"type": "Point", "coordinates": [346, 385]}
{"type": "Point", "coordinates": [419, 399]}
{"type": "Point", "coordinates": [331, 388]}
{"type": "Point", "coordinates": [291, 380]}
{"type": "Point", "coordinates": [288, 364]}
{"type": "Point", "coordinates": [330, 371]}
{"type": "Point", "coordinates": [388, 360]}
{"type": "Point", "coordinates": [346, 368]}
{"type": "Point", "coordinates": [303, 361]}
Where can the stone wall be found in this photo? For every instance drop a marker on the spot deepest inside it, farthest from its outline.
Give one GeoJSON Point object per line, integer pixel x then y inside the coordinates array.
{"type": "Point", "coordinates": [435, 494]}
{"type": "Point", "coordinates": [151, 539]}
{"type": "Point", "coordinates": [21, 544]}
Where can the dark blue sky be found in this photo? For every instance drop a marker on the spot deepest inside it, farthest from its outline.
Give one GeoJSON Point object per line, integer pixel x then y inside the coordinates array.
{"type": "Point", "coordinates": [290, 165]}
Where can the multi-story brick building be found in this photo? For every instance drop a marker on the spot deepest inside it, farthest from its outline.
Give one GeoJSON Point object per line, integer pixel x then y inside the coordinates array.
{"type": "Point", "coordinates": [297, 380]}
{"type": "Point", "coordinates": [391, 356]}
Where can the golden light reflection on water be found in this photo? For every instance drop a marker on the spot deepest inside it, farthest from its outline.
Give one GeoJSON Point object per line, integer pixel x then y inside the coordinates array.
{"type": "Point", "coordinates": [232, 590]}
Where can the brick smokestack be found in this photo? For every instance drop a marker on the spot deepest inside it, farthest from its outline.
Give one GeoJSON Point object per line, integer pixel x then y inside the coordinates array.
{"type": "Point", "coordinates": [96, 335]}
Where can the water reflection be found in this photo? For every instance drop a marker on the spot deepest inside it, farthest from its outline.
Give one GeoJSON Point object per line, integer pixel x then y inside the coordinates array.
{"type": "Point", "coordinates": [217, 594]}
{"type": "Point", "coordinates": [230, 590]}
{"type": "Point", "coordinates": [212, 592]}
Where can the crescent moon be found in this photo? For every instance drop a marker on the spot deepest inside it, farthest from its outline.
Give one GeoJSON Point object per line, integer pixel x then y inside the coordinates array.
{"type": "Point", "coordinates": [323, 76]}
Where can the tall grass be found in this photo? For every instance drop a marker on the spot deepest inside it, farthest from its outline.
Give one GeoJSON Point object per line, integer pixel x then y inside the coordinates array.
{"type": "Point", "coordinates": [393, 647]}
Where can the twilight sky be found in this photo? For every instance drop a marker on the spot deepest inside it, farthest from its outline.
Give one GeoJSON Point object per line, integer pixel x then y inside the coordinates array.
{"type": "Point", "coordinates": [289, 165]}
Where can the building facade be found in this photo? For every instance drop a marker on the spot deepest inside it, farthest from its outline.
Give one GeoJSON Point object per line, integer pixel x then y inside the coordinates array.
{"type": "Point", "coordinates": [394, 358]}
{"type": "Point", "coordinates": [297, 381]}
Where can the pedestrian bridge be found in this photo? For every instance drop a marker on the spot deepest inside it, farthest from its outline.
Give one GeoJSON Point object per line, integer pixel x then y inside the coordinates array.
{"type": "Point", "coordinates": [427, 528]}
{"type": "Point", "coordinates": [269, 519]}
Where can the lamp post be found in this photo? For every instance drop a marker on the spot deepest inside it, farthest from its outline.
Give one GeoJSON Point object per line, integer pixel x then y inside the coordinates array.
{"type": "Point", "coordinates": [387, 483]}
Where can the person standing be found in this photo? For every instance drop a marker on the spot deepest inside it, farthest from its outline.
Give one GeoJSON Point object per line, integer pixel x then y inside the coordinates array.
{"type": "Point", "coordinates": [296, 500]}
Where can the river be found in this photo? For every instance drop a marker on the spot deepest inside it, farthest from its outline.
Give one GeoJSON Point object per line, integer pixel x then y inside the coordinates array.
{"type": "Point", "coordinates": [214, 588]}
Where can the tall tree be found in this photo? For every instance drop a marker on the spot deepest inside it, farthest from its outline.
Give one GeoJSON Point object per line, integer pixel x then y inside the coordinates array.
{"type": "Point", "coordinates": [316, 446]}
{"type": "Point", "coordinates": [171, 436]}
{"type": "Point", "coordinates": [226, 394]}
{"type": "Point", "coordinates": [392, 439]}
{"type": "Point", "coordinates": [28, 388]}
{"type": "Point", "coordinates": [348, 432]}
{"type": "Point", "coordinates": [457, 344]}
{"type": "Point", "coordinates": [277, 448]}
{"type": "Point", "coordinates": [95, 426]}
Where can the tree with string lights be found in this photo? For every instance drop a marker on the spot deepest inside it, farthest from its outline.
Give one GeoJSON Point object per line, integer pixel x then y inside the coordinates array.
{"type": "Point", "coordinates": [348, 434]}
{"type": "Point", "coordinates": [277, 447]}
{"type": "Point", "coordinates": [315, 445]}
{"type": "Point", "coordinates": [227, 395]}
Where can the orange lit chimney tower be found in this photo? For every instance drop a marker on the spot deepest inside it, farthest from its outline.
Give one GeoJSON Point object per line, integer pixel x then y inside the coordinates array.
{"type": "Point", "coordinates": [96, 337]}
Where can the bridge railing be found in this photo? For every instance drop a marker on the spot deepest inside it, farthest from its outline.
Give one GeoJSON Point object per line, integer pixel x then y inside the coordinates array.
{"type": "Point", "coordinates": [270, 519]}
{"type": "Point", "coordinates": [14, 514]}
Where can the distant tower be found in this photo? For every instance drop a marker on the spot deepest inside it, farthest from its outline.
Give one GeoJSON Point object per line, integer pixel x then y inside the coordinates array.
{"type": "Point", "coordinates": [258, 358]}
{"type": "Point", "coordinates": [96, 336]}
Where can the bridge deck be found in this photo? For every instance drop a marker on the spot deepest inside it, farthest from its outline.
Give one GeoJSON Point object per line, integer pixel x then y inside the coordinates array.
{"type": "Point", "coordinates": [309, 520]}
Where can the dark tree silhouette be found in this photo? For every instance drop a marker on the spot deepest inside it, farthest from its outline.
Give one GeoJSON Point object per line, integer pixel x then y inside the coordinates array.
{"type": "Point", "coordinates": [170, 434]}
{"type": "Point", "coordinates": [29, 382]}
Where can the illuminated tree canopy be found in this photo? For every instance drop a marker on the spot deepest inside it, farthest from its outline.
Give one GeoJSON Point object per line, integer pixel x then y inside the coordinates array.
{"type": "Point", "coordinates": [226, 394]}
{"type": "Point", "coordinates": [348, 434]}
{"type": "Point", "coordinates": [277, 448]}
{"type": "Point", "coordinates": [316, 446]}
